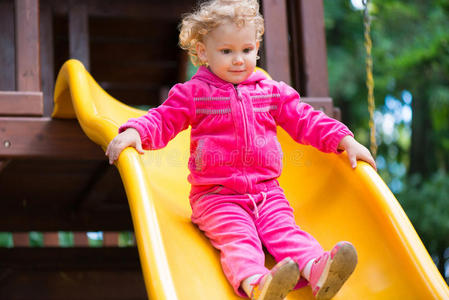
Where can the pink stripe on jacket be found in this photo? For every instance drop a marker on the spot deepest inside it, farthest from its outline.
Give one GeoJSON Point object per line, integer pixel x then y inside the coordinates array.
{"type": "Point", "coordinates": [233, 137]}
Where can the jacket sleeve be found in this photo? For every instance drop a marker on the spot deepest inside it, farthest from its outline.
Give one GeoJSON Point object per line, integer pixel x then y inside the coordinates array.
{"type": "Point", "coordinates": [306, 125]}
{"type": "Point", "coordinates": [163, 123]}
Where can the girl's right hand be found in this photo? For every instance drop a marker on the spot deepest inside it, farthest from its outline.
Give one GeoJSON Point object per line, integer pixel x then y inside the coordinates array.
{"type": "Point", "coordinates": [129, 137]}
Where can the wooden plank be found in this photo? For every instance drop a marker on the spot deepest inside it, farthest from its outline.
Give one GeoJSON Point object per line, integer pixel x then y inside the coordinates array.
{"type": "Point", "coordinates": [27, 45]}
{"type": "Point", "coordinates": [313, 37]}
{"type": "Point", "coordinates": [45, 137]}
{"type": "Point", "coordinates": [31, 197]}
{"type": "Point", "coordinates": [156, 10]}
{"type": "Point", "coordinates": [47, 56]}
{"type": "Point", "coordinates": [40, 220]}
{"type": "Point", "coordinates": [7, 49]}
{"type": "Point", "coordinates": [79, 32]}
{"type": "Point", "coordinates": [71, 273]}
{"type": "Point", "coordinates": [73, 284]}
{"type": "Point", "coordinates": [136, 71]}
{"type": "Point", "coordinates": [80, 239]}
{"type": "Point", "coordinates": [276, 40]}
{"type": "Point", "coordinates": [21, 103]}
{"type": "Point", "coordinates": [135, 30]}
{"type": "Point", "coordinates": [96, 192]}
{"type": "Point", "coordinates": [3, 164]}
{"type": "Point", "coordinates": [110, 239]}
{"type": "Point", "coordinates": [51, 239]}
{"type": "Point", "coordinates": [82, 259]}
{"type": "Point", "coordinates": [296, 51]}
{"type": "Point", "coordinates": [21, 239]}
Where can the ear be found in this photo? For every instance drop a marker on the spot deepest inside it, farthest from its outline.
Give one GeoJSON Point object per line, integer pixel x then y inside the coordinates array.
{"type": "Point", "coordinates": [201, 52]}
{"type": "Point", "coordinates": [257, 45]}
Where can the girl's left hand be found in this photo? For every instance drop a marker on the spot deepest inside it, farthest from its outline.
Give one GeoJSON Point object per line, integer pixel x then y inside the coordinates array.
{"type": "Point", "coordinates": [356, 151]}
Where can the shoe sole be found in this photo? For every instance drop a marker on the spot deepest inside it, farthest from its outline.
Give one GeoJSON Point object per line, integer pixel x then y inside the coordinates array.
{"type": "Point", "coordinates": [341, 267]}
{"type": "Point", "coordinates": [285, 279]}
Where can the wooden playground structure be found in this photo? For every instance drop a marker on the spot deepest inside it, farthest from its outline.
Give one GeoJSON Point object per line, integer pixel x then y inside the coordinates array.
{"type": "Point", "coordinates": [53, 178]}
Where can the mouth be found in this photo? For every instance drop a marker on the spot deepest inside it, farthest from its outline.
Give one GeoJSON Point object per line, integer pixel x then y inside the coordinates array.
{"type": "Point", "coordinates": [237, 71]}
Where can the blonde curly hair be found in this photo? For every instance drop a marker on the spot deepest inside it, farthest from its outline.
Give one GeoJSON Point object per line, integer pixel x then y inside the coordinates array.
{"type": "Point", "coordinates": [210, 14]}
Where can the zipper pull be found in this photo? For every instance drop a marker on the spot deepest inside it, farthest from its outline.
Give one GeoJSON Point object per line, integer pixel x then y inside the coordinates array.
{"type": "Point", "coordinates": [239, 93]}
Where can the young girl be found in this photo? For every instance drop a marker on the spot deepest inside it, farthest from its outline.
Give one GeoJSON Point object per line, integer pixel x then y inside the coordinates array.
{"type": "Point", "coordinates": [236, 159]}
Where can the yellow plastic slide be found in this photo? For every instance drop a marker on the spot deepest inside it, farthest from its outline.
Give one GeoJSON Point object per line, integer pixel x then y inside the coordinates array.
{"type": "Point", "coordinates": [331, 201]}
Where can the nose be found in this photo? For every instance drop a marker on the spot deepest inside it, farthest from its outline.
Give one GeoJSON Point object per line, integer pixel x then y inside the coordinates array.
{"type": "Point", "coordinates": [238, 60]}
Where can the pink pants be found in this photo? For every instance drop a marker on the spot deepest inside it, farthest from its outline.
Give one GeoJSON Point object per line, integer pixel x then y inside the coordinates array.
{"type": "Point", "coordinates": [240, 224]}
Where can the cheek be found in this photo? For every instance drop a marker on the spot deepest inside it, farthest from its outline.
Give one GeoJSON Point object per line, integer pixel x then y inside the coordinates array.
{"type": "Point", "coordinates": [252, 60]}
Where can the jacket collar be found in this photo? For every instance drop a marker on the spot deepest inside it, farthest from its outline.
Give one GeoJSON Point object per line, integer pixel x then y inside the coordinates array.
{"type": "Point", "coordinates": [204, 74]}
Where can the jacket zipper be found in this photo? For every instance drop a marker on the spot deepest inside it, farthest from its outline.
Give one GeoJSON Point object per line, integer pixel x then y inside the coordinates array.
{"type": "Point", "coordinates": [245, 125]}
{"type": "Point", "coordinates": [245, 132]}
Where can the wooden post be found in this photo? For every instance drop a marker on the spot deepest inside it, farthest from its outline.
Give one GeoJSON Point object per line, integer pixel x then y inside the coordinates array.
{"type": "Point", "coordinates": [47, 56]}
{"type": "Point", "coordinates": [311, 17]}
{"type": "Point", "coordinates": [27, 99]}
{"type": "Point", "coordinates": [7, 54]}
{"type": "Point", "coordinates": [79, 32]}
{"type": "Point", "coordinates": [27, 45]}
{"type": "Point", "coordinates": [276, 40]}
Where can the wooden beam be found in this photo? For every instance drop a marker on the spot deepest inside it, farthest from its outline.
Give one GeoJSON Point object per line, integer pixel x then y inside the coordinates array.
{"type": "Point", "coordinates": [276, 40]}
{"type": "Point", "coordinates": [71, 273]}
{"type": "Point", "coordinates": [82, 259]}
{"type": "Point", "coordinates": [3, 164]}
{"type": "Point", "coordinates": [27, 45]}
{"type": "Point", "coordinates": [45, 137]}
{"type": "Point", "coordinates": [160, 10]}
{"type": "Point", "coordinates": [79, 32]}
{"type": "Point", "coordinates": [39, 219]}
{"type": "Point", "coordinates": [21, 103]}
{"type": "Point", "coordinates": [314, 54]}
{"type": "Point", "coordinates": [7, 49]}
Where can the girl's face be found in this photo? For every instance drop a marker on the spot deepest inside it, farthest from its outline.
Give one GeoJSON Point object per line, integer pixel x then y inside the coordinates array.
{"type": "Point", "coordinates": [230, 51]}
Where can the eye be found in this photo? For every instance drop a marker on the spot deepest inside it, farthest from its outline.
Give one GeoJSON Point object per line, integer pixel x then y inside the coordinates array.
{"type": "Point", "coordinates": [247, 50]}
{"type": "Point", "coordinates": [225, 51]}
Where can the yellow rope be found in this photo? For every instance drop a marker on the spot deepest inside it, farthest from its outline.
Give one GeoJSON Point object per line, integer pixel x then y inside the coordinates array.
{"type": "Point", "coordinates": [369, 77]}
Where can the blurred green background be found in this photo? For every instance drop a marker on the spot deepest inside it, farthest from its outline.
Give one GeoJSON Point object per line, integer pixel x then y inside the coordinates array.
{"type": "Point", "coordinates": [411, 74]}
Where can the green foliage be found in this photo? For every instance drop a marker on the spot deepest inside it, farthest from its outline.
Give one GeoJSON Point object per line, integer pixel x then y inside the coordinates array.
{"type": "Point", "coordinates": [66, 239]}
{"type": "Point", "coordinates": [126, 239]}
{"type": "Point", "coordinates": [410, 53]}
{"type": "Point", "coordinates": [6, 239]}
{"type": "Point", "coordinates": [411, 43]}
{"type": "Point", "coordinates": [346, 63]}
{"type": "Point", "coordinates": [427, 206]}
{"type": "Point", "coordinates": [36, 239]}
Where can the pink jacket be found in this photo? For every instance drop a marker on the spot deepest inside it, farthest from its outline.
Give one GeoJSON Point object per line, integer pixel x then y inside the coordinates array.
{"type": "Point", "coordinates": [233, 137]}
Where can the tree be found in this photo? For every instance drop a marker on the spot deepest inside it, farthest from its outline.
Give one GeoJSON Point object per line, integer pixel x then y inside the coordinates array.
{"type": "Point", "coordinates": [411, 62]}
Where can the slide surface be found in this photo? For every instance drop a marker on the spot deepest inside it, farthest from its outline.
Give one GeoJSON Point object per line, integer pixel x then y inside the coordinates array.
{"type": "Point", "coordinates": [331, 201]}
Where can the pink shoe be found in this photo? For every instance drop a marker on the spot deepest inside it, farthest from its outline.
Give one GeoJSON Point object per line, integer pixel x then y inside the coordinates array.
{"type": "Point", "coordinates": [278, 282]}
{"type": "Point", "coordinates": [332, 269]}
